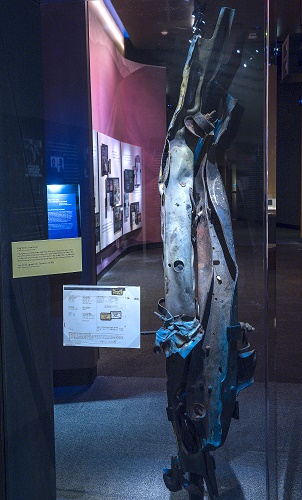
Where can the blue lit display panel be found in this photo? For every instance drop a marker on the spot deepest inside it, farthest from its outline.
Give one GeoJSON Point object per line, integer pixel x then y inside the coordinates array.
{"type": "Point", "coordinates": [63, 206]}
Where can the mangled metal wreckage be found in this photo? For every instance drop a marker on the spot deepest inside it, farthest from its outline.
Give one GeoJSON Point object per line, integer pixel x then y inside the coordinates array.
{"type": "Point", "coordinates": [208, 357]}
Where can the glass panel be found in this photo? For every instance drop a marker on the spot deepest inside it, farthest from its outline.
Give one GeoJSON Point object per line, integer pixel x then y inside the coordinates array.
{"type": "Point", "coordinates": [273, 482]}
{"type": "Point", "coordinates": [26, 415]}
{"type": "Point", "coordinates": [213, 224]}
{"type": "Point", "coordinates": [286, 355]}
{"type": "Point", "coordinates": [240, 159]}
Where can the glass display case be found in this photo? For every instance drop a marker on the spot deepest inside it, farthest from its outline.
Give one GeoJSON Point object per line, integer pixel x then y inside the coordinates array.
{"type": "Point", "coordinates": [172, 133]}
{"type": "Point", "coordinates": [212, 166]}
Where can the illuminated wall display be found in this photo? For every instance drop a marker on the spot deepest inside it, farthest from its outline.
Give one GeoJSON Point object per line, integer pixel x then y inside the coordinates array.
{"type": "Point", "coordinates": [63, 207]}
{"type": "Point", "coordinates": [132, 186]}
{"type": "Point", "coordinates": [62, 252]}
{"type": "Point", "coordinates": [118, 188]}
{"type": "Point", "coordinates": [124, 148]}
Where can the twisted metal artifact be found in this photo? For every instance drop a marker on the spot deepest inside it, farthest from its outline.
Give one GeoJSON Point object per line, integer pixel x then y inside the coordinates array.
{"type": "Point", "coordinates": [200, 335]}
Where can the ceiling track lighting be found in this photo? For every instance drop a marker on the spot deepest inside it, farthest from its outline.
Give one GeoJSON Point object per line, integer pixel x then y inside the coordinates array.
{"type": "Point", "coordinates": [108, 22]}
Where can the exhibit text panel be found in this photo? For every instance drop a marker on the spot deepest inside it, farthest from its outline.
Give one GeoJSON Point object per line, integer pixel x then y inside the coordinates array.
{"type": "Point", "coordinates": [101, 316]}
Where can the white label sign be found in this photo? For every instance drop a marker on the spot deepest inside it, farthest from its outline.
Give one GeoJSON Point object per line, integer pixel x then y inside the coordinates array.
{"type": "Point", "coordinates": [101, 316]}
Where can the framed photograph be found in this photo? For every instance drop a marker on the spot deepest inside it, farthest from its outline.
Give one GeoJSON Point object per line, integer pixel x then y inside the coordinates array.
{"type": "Point", "coordinates": [97, 228]}
{"type": "Point", "coordinates": [126, 206]}
{"type": "Point", "coordinates": [105, 162]}
{"type": "Point", "coordinates": [109, 194]}
{"type": "Point", "coordinates": [116, 191]}
{"type": "Point", "coordinates": [137, 171]}
{"type": "Point", "coordinates": [57, 163]}
{"type": "Point", "coordinates": [118, 219]}
{"type": "Point", "coordinates": [128, 181]}
{"type": "Point", "coordinates": [134, 210]}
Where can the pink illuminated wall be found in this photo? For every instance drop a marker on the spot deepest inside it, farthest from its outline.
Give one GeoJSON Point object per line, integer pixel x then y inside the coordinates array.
{"type": "Point", "coordinates": [128, 103]}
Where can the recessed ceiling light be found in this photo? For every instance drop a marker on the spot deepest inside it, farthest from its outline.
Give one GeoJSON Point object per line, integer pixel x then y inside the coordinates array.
{"type": "Point", "coordinates": [164, 32]}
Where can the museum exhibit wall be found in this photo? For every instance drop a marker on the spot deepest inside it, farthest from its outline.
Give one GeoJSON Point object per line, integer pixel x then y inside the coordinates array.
{"type": "Point", "coordinates": [128, 106]}
{"type": "Point", "coordinates": [98, 103]}
{"type": "Point", "coordinates": [27, 458]}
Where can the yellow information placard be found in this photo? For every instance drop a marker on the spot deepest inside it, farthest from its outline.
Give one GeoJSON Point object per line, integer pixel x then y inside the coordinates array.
{"type": "Point", "coordinates": [41, 257]}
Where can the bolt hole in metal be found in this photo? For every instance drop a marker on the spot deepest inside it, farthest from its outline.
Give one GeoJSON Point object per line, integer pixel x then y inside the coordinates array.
{"type": "Point", "coordinates": [178, 266]}
{"type": "Point", "coordinates": [198, 411]}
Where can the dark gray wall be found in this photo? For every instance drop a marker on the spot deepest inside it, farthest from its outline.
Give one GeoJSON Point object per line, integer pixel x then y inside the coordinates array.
{"type": "Point", "coordinates": [68, 134]}
{"type": "Point", "coordinates": [289, 153]}
{"type": "Point", "coordinates": [27, 428]}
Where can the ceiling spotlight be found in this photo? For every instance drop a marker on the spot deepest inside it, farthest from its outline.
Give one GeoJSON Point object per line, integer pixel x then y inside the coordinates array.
{"type": "Point", "coordinates": [164, 33]}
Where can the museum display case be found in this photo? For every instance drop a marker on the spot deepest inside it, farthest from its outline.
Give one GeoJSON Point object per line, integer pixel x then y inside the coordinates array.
{"type": "Point", "coordinates": [213, 182]}
{"type": "Point", "coordinates": [182, 98]}
{"type": "Point", "coordinates": [150, 257]}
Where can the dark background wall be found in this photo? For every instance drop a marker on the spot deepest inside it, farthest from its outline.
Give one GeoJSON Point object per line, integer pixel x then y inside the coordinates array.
{"type": "Point", "coordinates": [27, 430]}
{"type": "Point", "coordinates": [288, 153]}
{"type": "Point", "coordinates": [68, 135]}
